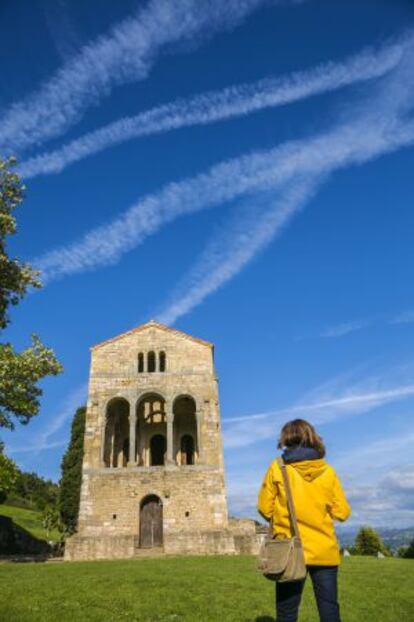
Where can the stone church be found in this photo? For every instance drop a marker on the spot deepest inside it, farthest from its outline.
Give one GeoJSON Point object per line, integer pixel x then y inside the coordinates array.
{"type": "Point", "coordinates": [153, 473]}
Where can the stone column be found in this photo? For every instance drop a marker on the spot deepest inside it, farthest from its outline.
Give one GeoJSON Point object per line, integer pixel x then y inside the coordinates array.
{"type": "Point", "coordinates": [170, 438]}
{"type": "Point", "coordinates": [102, 423]}
{"type": "Point", "coordinates": [132, 432]}
{"type": "Point", "coordinates": [199, 443]}
{"type": "Point", "coordinates": [112, 453]}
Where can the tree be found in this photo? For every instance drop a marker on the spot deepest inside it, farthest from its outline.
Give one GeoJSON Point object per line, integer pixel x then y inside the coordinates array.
{"type": "Point", "coordinates": [35, 490]}
{"type": "Point", "coordinates": [19, 372]}
{"type": "Point", "coordinates": [8, 474]}
{"type": "Point", "coordinates": [70, 483]}
{"type": "Point", "coordinates": [369, 542]}
{"type": "Point", "coordinates": [408, 551]}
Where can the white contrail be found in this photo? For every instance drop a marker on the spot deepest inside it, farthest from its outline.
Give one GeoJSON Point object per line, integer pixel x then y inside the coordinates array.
{"type": "Point", "coordinates": [125, 54]}
{"type": "Point", "coordinates": [249, 236]}
{"type": "Point", "coordinates": [381, 131]}
{"type": "Point", "coordinates": [228, 254]}
{"type": "Point", "coordinates": [247, 430]}
{"type": "Point", "coordinates": [370, 132]}
{"type": "Point", "coordinates": [43, 439]}
{"type": "Point", "coordinates": [351, 143]}
{"type": "Point", "coordinates": [214, 106]}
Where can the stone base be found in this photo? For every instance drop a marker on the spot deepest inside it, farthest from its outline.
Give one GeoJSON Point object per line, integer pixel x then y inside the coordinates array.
{"type": "Point", "coordinates": [79, 548]}
{"type": "Point", "coordinates": [241, 538]}
{"type": "Point", "coordinates": [126, 547]}
{"type": "Point", "coordinates": [200, 543]}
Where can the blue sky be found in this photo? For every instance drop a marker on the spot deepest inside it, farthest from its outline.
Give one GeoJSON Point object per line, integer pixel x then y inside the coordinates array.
{"type": "Point", "coordinates": [242, 171]}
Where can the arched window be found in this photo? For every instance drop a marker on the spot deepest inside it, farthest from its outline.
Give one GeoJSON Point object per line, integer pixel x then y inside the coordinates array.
{"type": "Point", "coordinates": [158, 448]}
{"type": "Point", "coordinates": [151, 362]}
{"type": "Point", "coordinates": [140, 362]}
{"type": "Point", "coordinates": [162, 361]}
{"type": "Point", "coordinates": [187, 449]}
{"type": "Point", "coordinates": [116, 441]}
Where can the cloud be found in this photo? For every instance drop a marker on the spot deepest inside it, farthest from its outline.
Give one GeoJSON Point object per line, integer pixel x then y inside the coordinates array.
{"type": "Point", "coordinates": [378, 478]}
{"type": "Point", "coordinates": [407, 317]}
{"type": "Point", "coordinates": [352, 143]}
{"type": "Point", "coordinates": [380, 454]}
{"type": "Point", "coordinates": [56, 422]}
{"type": "Point", "coordinates": [125, 54]}
{"type": "Point", "coordinates": [359, 137]}
{"type": "Point", "coordinates": [345, 328]}
{"type": "Point", "coordinates": [375, 129]}
{"type": "Point", "coordinates": [312, 160]}
{"type": "Point", "coordinates": [390, 496]}
{"type": "Point", "coordinates": [229, 252]}
{"type": "Point", "coordinates": [215, 106]}
{"type": "Point", "coordinates": [61, 28]}
{"type": "Point", "coordinates": [321, 406]}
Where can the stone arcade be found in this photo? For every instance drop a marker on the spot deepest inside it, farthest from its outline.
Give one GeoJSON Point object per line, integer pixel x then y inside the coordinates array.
{"type": "Point", "coordinates": [153, 474]}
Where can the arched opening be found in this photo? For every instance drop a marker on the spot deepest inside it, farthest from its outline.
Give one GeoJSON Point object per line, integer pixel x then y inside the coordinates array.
{"type": "Point", "coordinates": [162, 361]}
{"type": "Point", "coordinates": [116, 441]}
{"type": "Point", "coordinates": [150, 522]}
{"type": "Point", "coordinates": [151, 420]}
{"type": "Point", "coordinates": [185, 430]}
{"type": "Point", "coordinates": [158, 447]}
{"type": "Point", "coordinates": [140, 362]}
{"type": "Point", "coordinates": [187, 449]}
{"type": "Point", "coordinates": [151, 362]}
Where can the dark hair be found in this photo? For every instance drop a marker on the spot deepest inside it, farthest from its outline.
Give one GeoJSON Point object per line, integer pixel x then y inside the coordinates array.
{"type": "Point", "coordinates": [300, 432]}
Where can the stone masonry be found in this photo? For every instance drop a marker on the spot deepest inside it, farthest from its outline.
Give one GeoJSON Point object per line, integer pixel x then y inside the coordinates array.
{"type": "Point", "coordinates": [153, 473]}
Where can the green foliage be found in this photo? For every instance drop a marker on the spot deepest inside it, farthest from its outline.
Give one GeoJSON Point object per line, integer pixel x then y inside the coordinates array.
{"type": "Point", "coordinates": [369, 542]}
{"type": "Point", "coordinates": [36, 491]}
{"type": "Point", "coordinates": [71, 479]}
{"type": "Point", "coordinates": [407, 552]}
{"type": "Point", "coordinates": [16, 277]}
{"type": "Point", "coordinates": [188, 589]}
{"type": "Point", "coordinates": [19, 372]}
{"type": "Point", "coordinates": [8, 474]}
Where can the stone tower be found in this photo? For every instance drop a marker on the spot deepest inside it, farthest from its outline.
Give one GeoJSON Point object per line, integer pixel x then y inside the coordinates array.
{"type": "Point", "coordinates": [153, 472]}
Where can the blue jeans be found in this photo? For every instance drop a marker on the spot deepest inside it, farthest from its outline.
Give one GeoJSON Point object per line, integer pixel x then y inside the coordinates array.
{"type": "Point", "coordinates": [325, 587]}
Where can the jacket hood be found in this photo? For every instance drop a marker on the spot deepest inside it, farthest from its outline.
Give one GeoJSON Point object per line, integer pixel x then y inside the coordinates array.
{"type": "Point", "coordinates": [310, 469]}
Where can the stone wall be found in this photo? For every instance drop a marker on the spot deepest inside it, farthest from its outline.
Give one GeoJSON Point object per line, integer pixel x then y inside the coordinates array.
{"type": "Point", "coordinates": [246, 539]}
{"type": "Point", "coordinates": [192, 498]}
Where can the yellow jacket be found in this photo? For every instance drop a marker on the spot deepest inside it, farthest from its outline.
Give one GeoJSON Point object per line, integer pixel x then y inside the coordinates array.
{"type": "Point", "coordinates": [319, 500]}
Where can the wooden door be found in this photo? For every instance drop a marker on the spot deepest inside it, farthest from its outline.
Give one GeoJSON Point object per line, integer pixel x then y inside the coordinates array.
{"type": "Point", "coordinates": [151, 522]}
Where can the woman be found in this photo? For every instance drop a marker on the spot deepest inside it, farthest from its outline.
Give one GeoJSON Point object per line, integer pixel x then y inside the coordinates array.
{"type": "Point", "coordinates": [319, 500]}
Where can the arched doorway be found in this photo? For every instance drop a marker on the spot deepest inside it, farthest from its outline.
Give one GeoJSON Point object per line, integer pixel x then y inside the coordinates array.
{"type": "Point", "coordinates": [150, 522]}
{"type": "Point", "coordinates": [158, 447]}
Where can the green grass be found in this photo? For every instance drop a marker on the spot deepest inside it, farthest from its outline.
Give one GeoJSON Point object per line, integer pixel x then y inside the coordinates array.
{"type": "Point", "coordinates": [30, 520]}
{"type": "Point", "coordinates": [188, 589]}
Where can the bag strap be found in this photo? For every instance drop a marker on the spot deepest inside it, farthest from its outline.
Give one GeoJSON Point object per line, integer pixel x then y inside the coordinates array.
{"type": "Point", "coordinates": [291, 505]}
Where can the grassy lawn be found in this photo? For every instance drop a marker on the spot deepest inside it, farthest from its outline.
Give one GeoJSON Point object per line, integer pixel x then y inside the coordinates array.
{"type": "Point", "coordinates": [210, 589]}
{"type": "Point", "coordinates": [30, 520]}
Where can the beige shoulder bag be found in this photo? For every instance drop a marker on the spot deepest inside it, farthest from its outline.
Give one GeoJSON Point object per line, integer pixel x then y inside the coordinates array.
{"type": "Point", "coordinates": [282, 559]}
